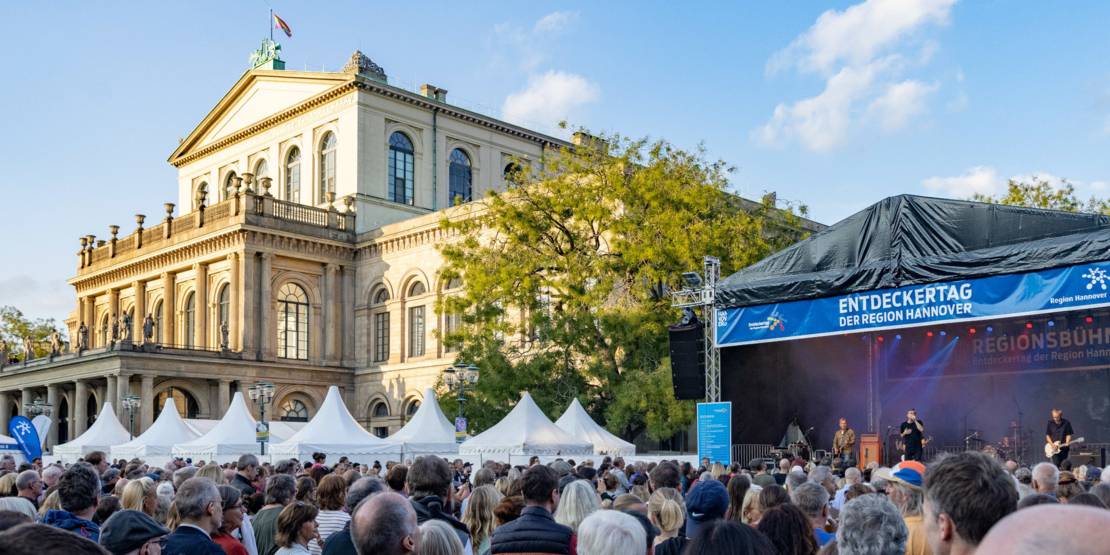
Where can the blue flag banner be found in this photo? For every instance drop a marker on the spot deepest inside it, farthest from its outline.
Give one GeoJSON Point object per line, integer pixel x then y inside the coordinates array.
{"type": "Point", "coordinates": [715, 432]}
{"type": "Point", "coordinates": [24, 432]}
{"type": "Point", "coordinates": [1055, 290]}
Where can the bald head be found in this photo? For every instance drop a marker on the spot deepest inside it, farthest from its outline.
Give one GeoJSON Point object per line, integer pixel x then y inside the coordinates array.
{"type": "Point", "coordinates": [1037, 530]}
{"type": "Point", "coordinates": [385, 524]}
{"type": "Point", "coordinates": [1045, 478]}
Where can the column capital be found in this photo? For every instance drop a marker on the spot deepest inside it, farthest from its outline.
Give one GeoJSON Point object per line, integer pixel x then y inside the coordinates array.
{"type": "Point", "coordinates": [266, 255]}
{"type": "Point", "coordinates": [166, 275]}
{"type": "Point", "coordinates": [232, 256]}
{"type": "Point", "coordinates": [331, 266]}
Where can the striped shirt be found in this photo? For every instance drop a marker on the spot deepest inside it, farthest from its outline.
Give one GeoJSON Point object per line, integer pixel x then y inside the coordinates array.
{"type": "Point", "coordinates": [328, 523]}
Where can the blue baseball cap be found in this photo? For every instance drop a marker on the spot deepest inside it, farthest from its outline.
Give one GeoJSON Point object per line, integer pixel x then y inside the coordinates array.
{"type": "Point", "coordinates": [708, 501]}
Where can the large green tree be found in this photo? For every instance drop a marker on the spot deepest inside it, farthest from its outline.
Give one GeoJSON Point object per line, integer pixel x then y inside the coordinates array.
{"type": "Point", "coordinates": [14, 326]}
{"type": "Point", "coordinates": [1041, 193]}
{"type": "Point", "coordinates": [565, 278]}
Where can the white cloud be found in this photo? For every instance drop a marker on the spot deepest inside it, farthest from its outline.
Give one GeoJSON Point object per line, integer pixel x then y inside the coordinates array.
{"type": "Point", "coordinates": [862, 53]}
{"type": "Point", "coordinates": [978, 180]}
{"type": "Point", "coordinates": [554, 22]}
{"type": "Point", "coordinates": [900, 103]}
{"type": "Point", "coordinates": [549, 98]}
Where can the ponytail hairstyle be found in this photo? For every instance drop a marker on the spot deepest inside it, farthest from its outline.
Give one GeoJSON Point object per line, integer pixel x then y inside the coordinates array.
{"type": "Point", "coordinates": [666, 509]}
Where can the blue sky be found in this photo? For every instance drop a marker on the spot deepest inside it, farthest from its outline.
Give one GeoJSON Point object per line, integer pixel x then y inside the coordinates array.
{"type": "Point", "coordinates": [835, 106]}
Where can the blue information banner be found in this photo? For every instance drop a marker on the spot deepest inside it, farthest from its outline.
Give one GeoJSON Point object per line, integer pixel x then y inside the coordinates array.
{"type": "Point", "coordinates": [715, 432]}
{"type": "Point", "coordinates": [1054, 290]}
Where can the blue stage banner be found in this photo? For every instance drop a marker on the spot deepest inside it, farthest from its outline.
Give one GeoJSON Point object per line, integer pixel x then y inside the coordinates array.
{"type": "Point", "coordinates": [24, 433]}
{"type": "Point", "coordinates": [715, 432]}
{"type": "Point", "coordinates": [1055, 290]}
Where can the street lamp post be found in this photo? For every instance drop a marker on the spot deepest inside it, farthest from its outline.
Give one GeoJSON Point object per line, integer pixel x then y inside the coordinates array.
{"type": "Point", "coordinates": [262, 393]}
{"type": "Point", "coordinates": [132, 404]}
{"type": "Point", "coordinates": [457, 377]}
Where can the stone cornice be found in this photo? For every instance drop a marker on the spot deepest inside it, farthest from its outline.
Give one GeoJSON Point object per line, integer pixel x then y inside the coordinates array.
{"type": "Point", "coordinates": [160, 262]}
{"type": "Point", "coordinates": [279, 243]}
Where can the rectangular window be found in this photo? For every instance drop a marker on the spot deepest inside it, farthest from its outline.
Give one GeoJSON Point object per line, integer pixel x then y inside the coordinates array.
{"type": "Point", "coordinates": [451, 324]}
{"type": "Point", "coordinates": [416, 331]}
{"type": "Point", "coordinates": [381, 337]}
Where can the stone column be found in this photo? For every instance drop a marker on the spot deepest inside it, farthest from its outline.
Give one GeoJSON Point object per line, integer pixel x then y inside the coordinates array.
{"type": "Point", "coordinates": [5, 411]}
{"type": "Point", "coordinates": [113, 311]}
{"type": "Point", "coordinates": [266, 306]}
{"type": "Point", "coordinates": [25, 397]}
{"type": "Point", "coordinates": [169, 311]}
{"type": "Point", "coordinates": [80, 407]}
{"type": "Point", "coordinates": [112, 394]}
{"type": "Point", "coordinates": [347, 333]}
{"type": "Point", "coordinates": [146, 395]}
{"type": "Point", "coordinates": [139, 287]}
{"type": "Point", "coordinates": [200, 334]}
{"type": "Point", "coordinates": [123, 389]}
{"type": "Point", "coordinates": [330, 319]}
{"type": "Point", "coordinates": [223, 398]}
{"type": "Point", "coordinates": [90, 320]}
{"type": "Point", "coordinates": [248, 306]}
{"type": "Point", "coordinates": [52, 399]}
{"type": "Point", "coordinates": [233, 324]}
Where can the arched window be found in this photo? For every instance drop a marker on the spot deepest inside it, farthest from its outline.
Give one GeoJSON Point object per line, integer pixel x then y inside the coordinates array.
{"type": "Point", "coordinates": [327, 166]}
{"type": "Point", "coordinates": [223, 311]}
{"type": "Point", "coordinates": [292, 332]}
{"type": "Point", "coordinates": [105, 330]}
{"type": "Point", "coordinates": [381, 326]}
{"type": "Point", "coordinates": [411, 409]}
{"type": "Point", "coordinates": [417, 288]}
{"type": "Point", "coordinates": [136, 327]}
{"type": "Point", "coordinates": [380, 411]}
{"type": "Point", "coordinates": [416, 331]}
{"type": "Point", "coordinates": [261, 169]}
{"type": "Point", "coordinates": [454, 283]}
{"type": "Point", "coordinates": [293, 410]}
{"type": "Point", "coordinates": [186, 404]}
{"type": "Point", "coordinates": [158, 323]}
{"type": "Point", "coordinates": [229, 186]}
{"type": "Point", "coordinates": [452, 320]}
{"type": "Point", "coordinates": [512, 173]}
{"type": "Point", "coordinates": [189, 321]}
{"type": "Point", "coordinates": [459, 184]}
{"type": "Point", "coordinates": [401, 184]}
{"type": "Point", "coordinates": [293, 175]}
{"type": "Point", "coordinates": [63, 420]}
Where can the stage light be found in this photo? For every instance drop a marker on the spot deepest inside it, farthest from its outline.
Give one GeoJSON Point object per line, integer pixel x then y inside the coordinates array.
{"type": "Point", "coordinates": [1051, 323]}
{"type": "Point", "coordinates": [928, 334]}
{"type": "Point", "coordinates": [1089, 320]}
{"type": "Point", "coordinates": [943, 333]}
{"type": "Point", "coordinates": [1029, 325]}
{"type": "Point", "coordinates": [899, 336]}
{"type": "Point", "coordinates": [971, 331]}
{"type": "Point", "coordinates": [990, 329]}
{"type": "Point", "coordinates": [880, 339]}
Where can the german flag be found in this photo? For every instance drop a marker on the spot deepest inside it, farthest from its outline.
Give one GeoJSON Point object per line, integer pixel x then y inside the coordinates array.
{"type": "Point", "coordinates": [280, 23]}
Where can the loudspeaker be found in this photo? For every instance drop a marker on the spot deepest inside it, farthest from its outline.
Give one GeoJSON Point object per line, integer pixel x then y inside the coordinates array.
{"type": "Point", "coordinates": [688, 360]}
{"type": "Point", "coordinates": [869, 450]}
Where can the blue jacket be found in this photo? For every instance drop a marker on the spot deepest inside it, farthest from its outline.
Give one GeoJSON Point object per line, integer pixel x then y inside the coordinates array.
{"type": "Point", "coordinates": [187, 540]}
{"type": "Point", "coordinates": [68, 521]}
{"type": "Point", "coordinates": [535, 531]}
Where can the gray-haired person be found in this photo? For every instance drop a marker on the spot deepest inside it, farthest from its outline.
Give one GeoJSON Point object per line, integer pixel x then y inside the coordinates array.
{"type": "Point", "coordinates": [871, 525]}
{"type": "Point", "coordinates": [201, 510]}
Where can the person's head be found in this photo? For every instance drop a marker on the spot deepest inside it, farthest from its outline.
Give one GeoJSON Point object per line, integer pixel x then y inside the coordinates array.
{"type": "Point", "coordinates": [541, 487]}
{"type": "Point", "coordinates": [795, 479]}
{"type": "Point", "coordinates": [749, 509]}
{"type": "Point", "coordinates": [852, 476]}
{"type": "Point", "coordinates": [438, 538]}
{"type": "Point", "coordinates": [738, 487]}
{"type": "Point", "coordinates": [29, 484]}
{"type": "Point", "coordinates": [280, 489]}
{"type": "Point", "coordinates": [725, 537]}
{"type": "Point", "coordinates": [784, 465]}
{"type": "Point", "coordinates": [140, 495]}
{"type": "Point", "coordinates": [429, 476]}
{"type": "Point", "coordinates": [385, 525]}
{"type": "Point", "coordinates": [97, 459]}
{"type": "Point", "coordinates": [772, 496]}
{"type": "Point", "coordinates": [871, 524]}
{"type": "Point", "coordinates": [79, 489]}
{"type": "Point", "coordinates": [1057, 415]}
{"type": "Point", "coordinates": [106, 507]}
{"type": "Point", "coordinates": [611, 532]}
{"type": "Point", "coordinates": [666, 510]}
{"type": "Point", "coordinates": [843, 423]}
{"type": "Point", "coordinates": [1103, 492]}
{"type": "Point", "coordinates": [813, 500]}
{"type": "Point", "coordinates": [247, 466]}
{"type": "Point", "coordinates": [757, 465]}
{"type": "Point", "coordinates": [577, 501]}
{"type": "Point", "coordinates": [396, 478]}
{"type": "Point", "coordinates": [965, 495]}
{"type": "Point", "coordinates": [1045, 478]}
{"type": "Point", "coordinates": [362, 489]}
{"type": "Point", "coordinates": [1050, 529]}
{"type": "Point", "coordinates": [7, 463]}
{"type": "Point", "coordinates": [231, 501]}
{"type": "Point", "coordinates": [904, 488]}
{"type": "Point", "coordinates": [478, 516]}
{"type": "Point", "coordinates": [331, 493]}
{"type": "Point", "coordinates": [286, 466]}
{"type": "Point", "coordinates": [1088, 499]}
{"type": "Point", "coordinates": [664, 475]}
{"type": "Point", "coordinates": [51, 475]}
{"type": "Point", "coordinates": [911, 415]}
{"type": "Point", "coordinates": [11, 519]}
{"type": "Point", "coordinates": [182, 474]}
{"type": "Point", "coordinates": [789, 530]}
{"type": "Point", "coordinates": [198, 503]}
{"type": "Point", "coordinates": [127, 532]}
{"type": "Point", "coordinates": [1037, 499]}
{"type": "Point", "coordinates": [508, 509]}
{"type": "Point", "coordinates": [296, 524]}
{"type": "Point", "coordinates": [305, 490]}
{"type": "Point", "coordinates": [38, 539]}
{"type": "Point", "coordinates": [319, 458]}
{"type": "Point", "coordinates": [484, 477]}
{"type": "Point", "coordinates": [708, 501]}
{"type": "Point", "coordinates": [1068, 486]}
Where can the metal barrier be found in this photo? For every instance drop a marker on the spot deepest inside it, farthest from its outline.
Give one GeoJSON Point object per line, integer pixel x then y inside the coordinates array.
{"type": "Point", "coordinates": [744, 452]}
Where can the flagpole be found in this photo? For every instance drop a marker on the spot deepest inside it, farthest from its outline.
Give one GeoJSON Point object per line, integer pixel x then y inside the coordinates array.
{"type": "Point", "coordinates": [271, 25]}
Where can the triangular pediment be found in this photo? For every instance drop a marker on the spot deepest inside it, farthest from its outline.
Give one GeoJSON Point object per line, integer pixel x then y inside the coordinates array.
{"type": "Point", "coordinates": [258, 95]}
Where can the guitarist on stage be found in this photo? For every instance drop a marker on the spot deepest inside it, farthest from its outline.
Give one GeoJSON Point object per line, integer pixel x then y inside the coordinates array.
{"type": "Point", "coordinates": [1059, 433]}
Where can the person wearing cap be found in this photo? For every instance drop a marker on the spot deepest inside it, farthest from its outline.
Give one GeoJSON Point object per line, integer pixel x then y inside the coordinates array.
{"type": "Point", "coordinates": [706, 502]}
{"type": "Point", "coordinates": [130, 532]}
{"type": "Point", "coordinates": [905, 492]}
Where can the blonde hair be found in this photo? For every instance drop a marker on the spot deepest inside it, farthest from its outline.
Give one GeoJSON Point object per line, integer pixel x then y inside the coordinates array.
{"type": "Point", "coordinates": [503, 484]}
{"type": "Point", "coordinates": [478, 517]}
{"type": "Point", "coordinates": [641, 492]}
{"type": "Point", "coordinates": [716, 470]}
{"type": "Point", "coordinates": [666, 510]}
{"type": "Point", "coordinates": [213, 472]}
{"type": "Point", "coordinates": [7, 484]}
{"type": "Point", "coordinates": [578, 501]}
{"type": "Point", "coordinates": [51, 502]}
{"type": "Point", "coordinates": [437, 538]}
{"type": "Point", "coordinates": [751, 505]}
{"type": "Point", "coordinates": [136, 492]}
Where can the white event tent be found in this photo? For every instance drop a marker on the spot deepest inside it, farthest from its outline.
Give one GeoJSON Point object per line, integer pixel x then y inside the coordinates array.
{"type": "Point", "coordinates": [155, 445]}
{"type": "Point", "coordinates": [576, 422]}
{"type": "Point", "coordinates": [232, 436]}
{"type": "Point", "coordinates": [105, 433]}
{"type": "Point", "coordinates": [335, 432]}
{"type": "Point", "coordinates": [525, 431]}
{"type": "Point", "coordinates": [428, 432]}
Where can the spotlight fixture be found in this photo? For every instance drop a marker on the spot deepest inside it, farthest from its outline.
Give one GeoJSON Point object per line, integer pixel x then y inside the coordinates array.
{"type": "Point", "coordinates": [1029, 325]}
{"type": "Point", "coordinates": [1089, 320]}
{"type": "Point", "coordinates": [928, 334]}
{"type": "Point", "coordinates": [943, 333]}
{"type": "Point", "coordinates": [1051, 323]}
{"type": "Point", "coordinates": [880, 339]}
{"type": "Point", "coordinates": [899, 336]}
{"type": "Point", "coordinates": [990, 329]}
{"type": "Point", "coordinates": [971, 331]}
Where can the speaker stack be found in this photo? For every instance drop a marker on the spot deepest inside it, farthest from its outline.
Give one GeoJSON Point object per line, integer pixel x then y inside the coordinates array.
{"type": "Point", "coordinates": [688, 360]}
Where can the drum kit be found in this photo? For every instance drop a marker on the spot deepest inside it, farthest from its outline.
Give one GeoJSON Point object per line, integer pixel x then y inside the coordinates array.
{"type": "Point", "coordinates": [1012, 446]}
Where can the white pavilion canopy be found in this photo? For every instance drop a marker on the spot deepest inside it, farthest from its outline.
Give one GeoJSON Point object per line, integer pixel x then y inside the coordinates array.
{"type": "Point", "coordinates": [232, 436]}
{"type": "Point", "coordinates": [525, 431]}
{"type": "Point", "coordinates": [104, 434]}
{"type": "Point", "coordinates": [577, 422]}
{"type": "Point", "coordinates": [335, 432]}
{"type": "Point", "coordinates": [427, 432]}
{"type": "Point", "coordinates": [155, 445]}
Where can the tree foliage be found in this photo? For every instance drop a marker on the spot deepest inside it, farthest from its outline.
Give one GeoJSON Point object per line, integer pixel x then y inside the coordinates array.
{"type": "Point", "coordinates": [1041, 193]}
{"type": "Point", "coordinates": [566, 278]}
{"type": "Point", "coordinates": [14, 326]}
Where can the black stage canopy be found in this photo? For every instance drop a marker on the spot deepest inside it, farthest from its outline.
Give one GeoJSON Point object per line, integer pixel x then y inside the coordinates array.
{"type": "Point", "coordinates": [909, 239]}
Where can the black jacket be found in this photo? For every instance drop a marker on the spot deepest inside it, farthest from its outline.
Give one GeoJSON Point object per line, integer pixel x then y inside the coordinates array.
{"type": "Point", "coordinates": [431, 508]}
{"type": "Point", "coordinates": [340, 543]}
{"type": "Point", "coordinates": [243, 485]}
{"type": "Point", "coordinates": [535, 531]}
{"type": "Point", "coordinates": [187, 540]}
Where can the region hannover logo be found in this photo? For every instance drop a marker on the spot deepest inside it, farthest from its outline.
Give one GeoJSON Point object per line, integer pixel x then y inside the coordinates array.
{"type": "Point", "coordinates": [1097, 276]}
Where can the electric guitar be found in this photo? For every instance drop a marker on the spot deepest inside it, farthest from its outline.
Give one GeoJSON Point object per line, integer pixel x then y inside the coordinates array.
{"type": "Point", "coordinates": [1053, 448]}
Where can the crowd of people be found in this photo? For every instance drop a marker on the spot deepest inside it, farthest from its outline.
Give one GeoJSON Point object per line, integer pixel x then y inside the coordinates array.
{"type": "Point", "coordinates": [956, 504]}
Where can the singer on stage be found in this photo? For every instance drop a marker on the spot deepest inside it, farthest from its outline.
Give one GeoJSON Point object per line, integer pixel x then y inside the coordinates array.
{"type": "Point", "coordinates": [913, 431]}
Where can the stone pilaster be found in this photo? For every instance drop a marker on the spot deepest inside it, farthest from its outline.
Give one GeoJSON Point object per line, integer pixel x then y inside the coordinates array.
{"type": "Point", "coordinates": [200, 334]}
{"type": "Point", "coordinates": [233, 324]}
{"type": "Point", "coordinates": [330, 318]}
{"type": "Point", "coordinates": [5, 411]}
{"type": "Point", "coordinates": [169, 310]}
{"type": "Point", "coordinates": [266, 306]}
{"type": "Point", "coordinates": [25, 397]}
{"type": "Point", "coordinates": [139, 287]}
{"type": "Point", "coordinates": [112, 394]}
{"type": "Point", "coordinates": [80, 408]}
{"type": "Point", "coordinates": [52, 399]}
{"type": "Point", "coordinates": [147, 397]}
